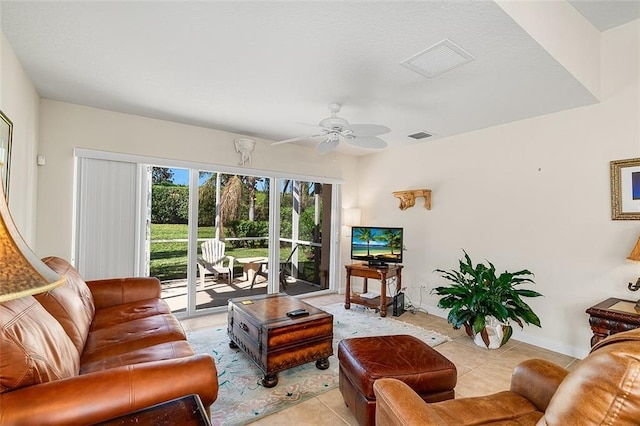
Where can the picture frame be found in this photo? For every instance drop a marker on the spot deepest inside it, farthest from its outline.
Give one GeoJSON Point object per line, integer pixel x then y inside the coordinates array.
{"type": "Point", "coordinates": [625, 189]}
{"type": "Point", "coordinates": [6, 135]}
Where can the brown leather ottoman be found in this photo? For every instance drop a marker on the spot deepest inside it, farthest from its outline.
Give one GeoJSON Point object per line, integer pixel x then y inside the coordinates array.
{"type": "Point", "coordinates": [402, 357]}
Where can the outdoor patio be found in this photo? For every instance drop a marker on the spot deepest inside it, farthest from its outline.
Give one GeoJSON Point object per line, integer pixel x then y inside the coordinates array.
{"type": "Point", "coordinates": [217, 293]}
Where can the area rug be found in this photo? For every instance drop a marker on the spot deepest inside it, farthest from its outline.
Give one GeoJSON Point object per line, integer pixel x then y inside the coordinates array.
{"type": "Point", "coordinates": [242, 400]}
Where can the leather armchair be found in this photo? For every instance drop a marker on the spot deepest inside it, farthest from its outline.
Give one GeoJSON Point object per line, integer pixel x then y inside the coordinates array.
{"type": "Point", "coordinates": [603, 389]}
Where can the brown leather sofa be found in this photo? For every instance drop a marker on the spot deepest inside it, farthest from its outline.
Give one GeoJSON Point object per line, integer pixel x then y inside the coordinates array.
{"type": "Point", "coordinates": [604, 388]}
{"type": "Point", "coordinates": [89, 351]}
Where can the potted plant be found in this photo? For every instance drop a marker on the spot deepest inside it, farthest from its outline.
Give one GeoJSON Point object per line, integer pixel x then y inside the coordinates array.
{"type": "Point", "coordinates": [484, 303]}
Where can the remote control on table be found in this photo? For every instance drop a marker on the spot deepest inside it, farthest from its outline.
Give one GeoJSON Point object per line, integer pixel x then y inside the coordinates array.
{"type": "Point", "coordinates": [298, 313]}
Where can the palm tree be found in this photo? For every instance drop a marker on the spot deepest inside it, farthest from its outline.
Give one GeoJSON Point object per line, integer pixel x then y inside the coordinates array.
{"type": "Point", "coordinates": [251, 183]}
{"type": "Point", "coordinates": [230, 201]}
{"type": "Point", "coordinates": [363, 234]}
{"type": "Point", "coordinates": [392, 238]}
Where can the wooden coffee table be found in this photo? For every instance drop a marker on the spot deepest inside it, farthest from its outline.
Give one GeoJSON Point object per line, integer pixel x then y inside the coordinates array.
{"type": "Point", "coordinates": [260, 327]}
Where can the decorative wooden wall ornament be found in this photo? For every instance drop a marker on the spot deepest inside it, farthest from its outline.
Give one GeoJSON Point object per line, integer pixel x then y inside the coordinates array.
{"type": "Point", "coordinates": [408, 198]}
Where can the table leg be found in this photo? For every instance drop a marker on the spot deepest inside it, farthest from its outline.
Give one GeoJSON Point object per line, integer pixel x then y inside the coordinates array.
{"type": "Point", "coordinates": [322, 363]}
{"type": "Point", "coordinates": [269, 380]}
{"type": "Point", "coordinates": [347, 291]}
{"type": "Point", "coordinates": [598, 335]}
{"type": "Point", "coordinates": [383, 297]}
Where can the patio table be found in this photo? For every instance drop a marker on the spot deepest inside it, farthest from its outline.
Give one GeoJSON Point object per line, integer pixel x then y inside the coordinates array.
{"type": "Point", "coordinates": [254, 264]}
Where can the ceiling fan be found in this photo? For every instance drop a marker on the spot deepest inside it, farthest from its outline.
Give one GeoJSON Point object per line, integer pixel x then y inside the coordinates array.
{"type": "Point", "coordinates": [334, 128]}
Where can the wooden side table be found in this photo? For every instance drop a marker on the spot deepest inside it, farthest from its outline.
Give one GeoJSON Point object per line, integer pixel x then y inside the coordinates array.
{"type": "Point", "coordinates": [365, 271]}
{"type": "Point", "coordinates": [612, 316]}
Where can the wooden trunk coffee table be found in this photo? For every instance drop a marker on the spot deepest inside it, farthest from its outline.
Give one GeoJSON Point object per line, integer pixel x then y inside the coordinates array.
{"type": "Point", "coordinates": [260, 327]}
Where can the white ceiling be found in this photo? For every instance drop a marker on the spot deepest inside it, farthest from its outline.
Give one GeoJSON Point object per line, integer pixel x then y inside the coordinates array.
{"type": "Point", "coordinates": [260, 68]}
{"type": "Point", "coordinates": [607, 14]}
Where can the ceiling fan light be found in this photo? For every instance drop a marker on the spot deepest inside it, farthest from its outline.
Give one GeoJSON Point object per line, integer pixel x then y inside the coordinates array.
{"type": "Point", "coordinates": [328, 145]}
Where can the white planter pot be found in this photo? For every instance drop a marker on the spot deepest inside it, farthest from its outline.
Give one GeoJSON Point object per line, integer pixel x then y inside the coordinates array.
{"type": "Point", "coordinates": [495, 333]}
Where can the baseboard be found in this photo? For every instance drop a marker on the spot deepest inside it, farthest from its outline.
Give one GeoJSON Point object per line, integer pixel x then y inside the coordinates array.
{"type": "Point", "coordinates": [519, 335]}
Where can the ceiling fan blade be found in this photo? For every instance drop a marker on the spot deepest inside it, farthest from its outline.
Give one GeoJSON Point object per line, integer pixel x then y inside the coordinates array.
{"type": "Point", "coordinates": [327, 145]}
{"type": "Point", "coordinates": [299, 138]}
{"type": "Point", "coordinates": [367, 142]}
{"type": "Point", "coordinates": [368, 129]}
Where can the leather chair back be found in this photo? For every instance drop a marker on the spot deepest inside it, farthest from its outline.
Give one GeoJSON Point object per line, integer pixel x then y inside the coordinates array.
{"type": "Point", "coordinates": [604, 388]}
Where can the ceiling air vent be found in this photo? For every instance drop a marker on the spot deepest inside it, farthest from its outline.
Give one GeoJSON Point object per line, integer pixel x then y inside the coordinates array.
{"type": "Point", "coordinates": [437, 59]}
{"type": "Point", "coordinates": [420, 135]}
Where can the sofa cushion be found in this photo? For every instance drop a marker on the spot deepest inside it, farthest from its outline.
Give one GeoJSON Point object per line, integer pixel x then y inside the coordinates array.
{"type": "Point", "coordinates": [163, 351]}
{"type": "Point", "coordinates": [34, 346]}
{"type": "Point", "coordinates": [70, 303]}
{"type": "Point", "coordinates": [114, 315]}
{"type": "Point", "coordinates": [130, 336]}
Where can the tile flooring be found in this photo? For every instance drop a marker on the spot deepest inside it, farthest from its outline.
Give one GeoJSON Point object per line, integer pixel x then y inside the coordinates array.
{"type": "Point", "coordinates": [480, 371]}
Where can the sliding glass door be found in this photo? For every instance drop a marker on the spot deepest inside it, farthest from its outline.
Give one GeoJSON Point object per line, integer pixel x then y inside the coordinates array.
{"type": "Point", "coordinates": [139, 218]}
{"type": "Point", "coordinates": [234, 209]}
{"type": "Point", "coordinates": [305, 215]}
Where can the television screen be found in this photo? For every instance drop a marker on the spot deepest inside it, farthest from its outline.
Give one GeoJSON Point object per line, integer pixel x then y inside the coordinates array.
{"type": "Point", "coordinates": [376, 245]}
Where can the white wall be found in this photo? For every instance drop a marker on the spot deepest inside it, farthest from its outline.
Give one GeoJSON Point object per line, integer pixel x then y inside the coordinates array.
{"type": "Point", "coordinates": [20, 102]}
{"type": "Point", "coordinates": [531, 194]}
{"type": "Point", "coordinates": [66, 126]}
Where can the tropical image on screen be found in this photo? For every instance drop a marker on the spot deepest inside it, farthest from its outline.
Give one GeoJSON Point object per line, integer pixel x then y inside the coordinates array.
{"type": "Point", "coordinates": [376, 244]}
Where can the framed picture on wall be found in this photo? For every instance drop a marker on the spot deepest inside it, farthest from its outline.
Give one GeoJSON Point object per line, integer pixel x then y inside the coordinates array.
{"type": "Point", "coordinates": [625, 189]}
{"type": "Point", "coordinates": [6, 133]}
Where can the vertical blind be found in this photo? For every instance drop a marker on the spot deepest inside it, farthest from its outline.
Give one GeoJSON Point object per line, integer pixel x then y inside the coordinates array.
{"type": "Point", "coordinates": [106, 218]}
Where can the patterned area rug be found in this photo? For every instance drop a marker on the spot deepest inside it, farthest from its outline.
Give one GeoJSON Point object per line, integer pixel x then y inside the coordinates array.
{"type": "Point", "coordinates": [241, 400]}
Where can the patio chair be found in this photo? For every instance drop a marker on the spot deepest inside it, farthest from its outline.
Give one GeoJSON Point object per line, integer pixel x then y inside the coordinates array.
{"type": "Point", "coordinates": [213, 261]}
{"type": "Point", "coordinates": [282, 278]}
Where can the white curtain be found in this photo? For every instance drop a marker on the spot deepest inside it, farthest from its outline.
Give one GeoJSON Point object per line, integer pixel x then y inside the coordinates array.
{"type": "Point", "coordinates": [106, 206]}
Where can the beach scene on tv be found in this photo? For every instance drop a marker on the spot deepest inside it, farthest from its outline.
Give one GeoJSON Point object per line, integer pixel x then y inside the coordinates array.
{"type": "Point", "coordinates": [381, 244]}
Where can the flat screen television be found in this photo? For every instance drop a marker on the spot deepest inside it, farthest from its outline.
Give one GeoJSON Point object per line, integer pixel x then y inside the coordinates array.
{"type": "Point", "coordinates": [376, 245]}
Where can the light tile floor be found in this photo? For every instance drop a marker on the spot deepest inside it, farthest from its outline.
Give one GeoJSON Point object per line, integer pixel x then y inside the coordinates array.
{"type": "Point", "coordinates": [480, 371]}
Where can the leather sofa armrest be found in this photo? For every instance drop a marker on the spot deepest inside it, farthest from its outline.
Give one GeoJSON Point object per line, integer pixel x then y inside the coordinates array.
{"type": "Point", "coordinates": [537, 380]}
{"type": "Point", "coordinates": [398, 404]}
{"type": "Point", "coordinates": [95, 397]}
{"type": "Point", "coordinates": [116, 291]}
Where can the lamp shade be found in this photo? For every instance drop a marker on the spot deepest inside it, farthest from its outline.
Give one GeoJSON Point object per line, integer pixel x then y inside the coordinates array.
{"type": "Point", "coordinates": [22, 273]}
{"type": "Point", "coordinates": [635, 253]}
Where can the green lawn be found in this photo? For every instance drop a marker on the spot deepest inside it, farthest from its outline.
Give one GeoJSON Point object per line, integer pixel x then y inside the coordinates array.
{"type": "Point", "coordinates": [169, 259]}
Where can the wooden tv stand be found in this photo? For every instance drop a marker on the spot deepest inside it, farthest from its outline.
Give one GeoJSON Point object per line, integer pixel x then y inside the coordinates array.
{"type": "Point", "coordinates": [365, 271]}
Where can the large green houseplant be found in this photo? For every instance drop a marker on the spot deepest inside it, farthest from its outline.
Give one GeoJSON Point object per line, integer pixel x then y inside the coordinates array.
{"type": "Point", "coordinates": [477, 295]}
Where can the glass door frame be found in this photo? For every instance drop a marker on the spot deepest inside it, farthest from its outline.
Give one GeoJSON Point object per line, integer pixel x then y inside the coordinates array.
{"type": "Point", "coordinates": [274, 216]}
{"type": "Point", "coordinates": [273, 284]}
